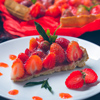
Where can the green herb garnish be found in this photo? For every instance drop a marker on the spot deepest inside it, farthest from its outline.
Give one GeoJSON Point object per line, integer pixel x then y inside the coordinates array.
{"type": "Point", "coordinates": [33, 1]}
{"type": "Point", "coordinates": [46, 35]}
{"type": "Point", "coordinates": [88, 8]}
{"type": "Point", "coordinates": [44, 84]}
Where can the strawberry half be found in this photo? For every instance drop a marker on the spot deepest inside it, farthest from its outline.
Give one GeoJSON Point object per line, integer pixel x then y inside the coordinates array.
{"type": "Point", "coordinates": [49, 61]}
{"type": "Point", "coordinates": [73, 52]}
{"type": "Point", "coordinates": [90, 75]}
{"type": "Point", "coordinates": [75, 80]}
{"type": "Point", "coordinates": [59, 52]}
{"type": "Point", "coordinates": [34, 63]}
{"type": "Point", "coordinates": [17, 69]}
{"type": "Point", "coordinates": [33, 44]}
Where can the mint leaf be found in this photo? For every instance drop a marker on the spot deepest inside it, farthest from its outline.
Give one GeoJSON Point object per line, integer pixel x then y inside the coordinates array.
{"type": "Point", "coordinates": [52, 38]}
{"type": "Point", "coordinates": [33, 83]}
{"type": "Point", "coordinates": [41, 31]}
{"type": "Point", "coordinates": [48, 32]}
{"type": "Point", "coordinates": [33, 1]}
{"type": "Point", "coordinates": [88, 8]}
{"type": "Point", "coordinates": [44, 84]}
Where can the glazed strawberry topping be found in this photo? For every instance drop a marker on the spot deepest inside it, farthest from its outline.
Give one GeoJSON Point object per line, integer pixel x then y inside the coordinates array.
{"type": "Point", "coordinates": [73, 51]}
{"type": "Point", "coordinates": [49, 61]}
{"type": "Point", "coordinates": [59, 52]}
{"type": "Point", "coordinates": [62, 42]}
{"type": "Point", "coordinates": [17, 69]}
{"type": "Point", "coordinates": [23, 57]}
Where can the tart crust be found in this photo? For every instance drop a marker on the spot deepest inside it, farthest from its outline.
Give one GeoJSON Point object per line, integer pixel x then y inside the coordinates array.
{"type": "Point", "coordinates": [18, 10]}
{"type": "Point", "coordinates": [70, 66]}
{"type": "Point", "coordinates": [78, 21]}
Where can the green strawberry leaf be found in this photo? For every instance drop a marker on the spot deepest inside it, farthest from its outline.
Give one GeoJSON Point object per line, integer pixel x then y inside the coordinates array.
{"type": "Point", "coordinates": [33, 1]}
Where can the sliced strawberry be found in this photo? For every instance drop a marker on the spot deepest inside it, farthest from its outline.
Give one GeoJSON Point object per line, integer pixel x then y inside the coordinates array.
{"type": "Point", "coordinates": [62, 42]}
{"type": "Point", "coordinates": [53, 11]}
{"type": "Point", "coordinates": [95, 10]}
{"type": "Point", "coordinates": [73, 52]}
{"type": "Point", "coordinates": [34, 63]}
{"type": "Point", "coordinates": [59, 52]}
{"type": "Point", "coordinates": [23, 57]}
{"type": "Point", "coordinates": [33, 44]}
{"type": "Point", "coordinates": [91, 76]}
{"type": "Point", "coordinates": [75, 80]}
{"type": "Point", "coordinates": [49, 61]}
{"type": "Point", "coordinates": [37, 10]}
{"type": "Point", "coordinates": [17, 69]}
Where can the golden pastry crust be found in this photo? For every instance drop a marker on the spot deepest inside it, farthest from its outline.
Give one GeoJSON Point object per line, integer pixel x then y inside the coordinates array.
{"type": "Point", "coordinates": [77, 21]}
{"type": "Point", "coordinates": [70, 66]}
{"type": "Point", "coordinates": [20, 11]}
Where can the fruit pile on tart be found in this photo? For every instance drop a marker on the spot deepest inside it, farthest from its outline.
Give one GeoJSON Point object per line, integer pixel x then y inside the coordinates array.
{"type": "Point", "coordinates": [72, 13]}
{"type": "Point", "coordinates": [47, 54]}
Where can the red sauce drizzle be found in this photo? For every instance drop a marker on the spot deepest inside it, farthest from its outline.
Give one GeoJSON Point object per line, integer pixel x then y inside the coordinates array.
{"type": "Point", "coordinates": [3, 65]}
{"type": "Point", "coordinates": [36, 98]}
{"type": "Point", "coordinates": [12, 57]}
{"type": "Point", "coordinates": [65, 95]}
{"type": "Point", "coordinates": [1, 74]}
{"type": "Point", "coordinates": [13, 92]}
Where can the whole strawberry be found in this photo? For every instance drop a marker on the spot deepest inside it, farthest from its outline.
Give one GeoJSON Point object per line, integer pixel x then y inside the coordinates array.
{"type": "Point", "coordinates": [75, 80]}
{"type": "Point", "coordinates": [62, 42]}
{"type": "Point", "coordinates": [44, 45]}
{"type": "Point", "coordinates": [59, 52]}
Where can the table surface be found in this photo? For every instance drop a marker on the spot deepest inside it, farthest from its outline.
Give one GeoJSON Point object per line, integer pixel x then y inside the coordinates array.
{"type": "Point", "coordinates": [93, 37]}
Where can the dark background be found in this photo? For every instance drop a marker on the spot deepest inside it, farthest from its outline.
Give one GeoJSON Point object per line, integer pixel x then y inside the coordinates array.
{"type": "Point", "coordinates": [93, 37]}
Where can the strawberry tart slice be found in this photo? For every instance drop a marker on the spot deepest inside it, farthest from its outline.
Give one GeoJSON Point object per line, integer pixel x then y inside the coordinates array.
{"type": "Point", "coordinates": [47, 54]}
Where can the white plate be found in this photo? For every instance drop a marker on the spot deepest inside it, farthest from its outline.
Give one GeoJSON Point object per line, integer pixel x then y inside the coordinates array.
{"type": "Point", "coordinates": [56, 80]}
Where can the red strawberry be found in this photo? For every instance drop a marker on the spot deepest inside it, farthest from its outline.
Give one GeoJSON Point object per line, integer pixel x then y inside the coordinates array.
{"type": "Point", "coordinates": [34, 63]}
{"type": "Point", "coordinates": [75, 80]}
{"type": "Point", "coordinates": [33, 44]}
{"type": "Point", "coordinates": [95, 10]}
{"type": "Point", "coordinates": [49, 61]}
{"type": "Point", "coordinates": [53, 11]}
{"type": "Point", "coordinates": [27, 52]}
{"type": "Point", "coordinates": [74, 2]}
{"type": "Point", "coordinates": [73, 52]}
{"type": "Point", "coordinates": [17, 69]}
{"type": "Point", "coordinates": [87, 2]}
{"type": "Point", "coordinates": [91, 76]}
{"type": "Point", "coordinates": [18, 1]}
{"type": "Point", "coordinates": [44, 45]}
{"type": "Point", "coordinates": [62, 42]}
{"type": "Point", "coordinates": [40, 39]}
{"type": "Point", "coordinates": [37, 10]}
{"type": "Point", "coordinates": [40, 53]}
{"type": "Point", "coordinates": [59, 52]}
{"type": "Point", "coordinates": [23, 57]}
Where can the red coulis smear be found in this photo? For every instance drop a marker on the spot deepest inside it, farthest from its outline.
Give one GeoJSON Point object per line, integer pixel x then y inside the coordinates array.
{"type": "Point", "coordinates": [3, 65]}
{"type": "Point", "coordinates": [12, 57]}
{"type": "Point", "coordinates": [36, 98]}
{"type": "Point", "coordinates": [1, 74]}
{"type": "Point", "coordinates": [13, 92]}
{"type": "Point", "coordinates": [65, 95]}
